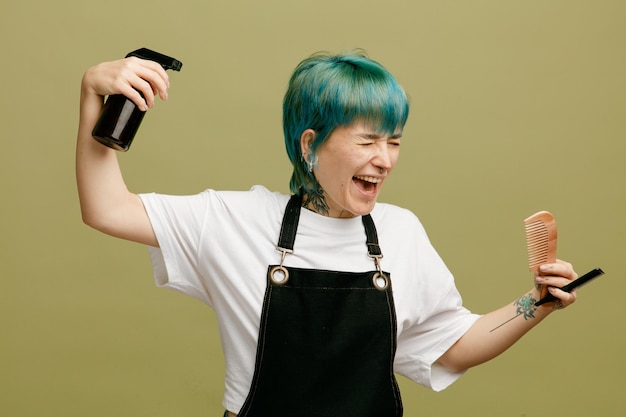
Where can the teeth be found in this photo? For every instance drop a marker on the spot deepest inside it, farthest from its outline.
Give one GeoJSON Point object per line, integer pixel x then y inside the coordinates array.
{"type": "Point", "coordinates": [368, 179]}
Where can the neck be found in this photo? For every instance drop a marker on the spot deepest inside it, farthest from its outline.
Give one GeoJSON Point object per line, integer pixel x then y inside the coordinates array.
{"type": "Point", "coordinates": [316, 202]}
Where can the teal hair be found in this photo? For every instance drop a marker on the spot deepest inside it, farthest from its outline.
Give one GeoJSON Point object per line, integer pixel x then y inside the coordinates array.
{"type": "Point", "coordinates": [329, 91]}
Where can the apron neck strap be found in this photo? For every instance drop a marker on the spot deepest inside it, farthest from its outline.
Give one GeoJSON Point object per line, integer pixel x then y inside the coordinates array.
{"type": "Point", "coordinates": [290, 223]}
{"type": "Point", "coordinates": [373, 249]}
{"type": "Point", "coordinates": [291, 218]}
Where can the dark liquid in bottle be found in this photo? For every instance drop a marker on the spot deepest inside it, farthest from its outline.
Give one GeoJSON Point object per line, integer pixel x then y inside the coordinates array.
{"type": "Point", "coordinates": [118, 123]}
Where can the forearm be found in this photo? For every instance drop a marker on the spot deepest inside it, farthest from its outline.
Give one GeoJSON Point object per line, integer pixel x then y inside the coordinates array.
{"type": "Point", "coordinates": [105, 201]}
{"type": "Point", "coordinates": [493, 333]}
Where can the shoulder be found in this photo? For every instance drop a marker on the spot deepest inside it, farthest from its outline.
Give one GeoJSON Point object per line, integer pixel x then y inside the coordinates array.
{"type": "Point", "coordinates": [255, 208]}
{"type": "Point", "coordinates": [392, 217]}
{"type": "Point", "coordinates": [256, 199]}
{"type": "Point", "coordinates": [400, 231]}
{"type": "Point", "coordinates": [253, 205]}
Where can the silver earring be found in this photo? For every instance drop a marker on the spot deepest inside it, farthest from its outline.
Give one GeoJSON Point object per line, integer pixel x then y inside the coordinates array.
{"type": "Point", "coordinates": [308, 163]}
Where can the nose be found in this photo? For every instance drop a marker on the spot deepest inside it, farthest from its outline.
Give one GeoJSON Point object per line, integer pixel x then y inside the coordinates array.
{"type": "Point", "coordinates": [384, 157]}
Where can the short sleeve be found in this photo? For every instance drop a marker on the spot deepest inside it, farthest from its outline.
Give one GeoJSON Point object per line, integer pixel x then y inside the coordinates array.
{"type": "Point", "coordinates": [178, 224]}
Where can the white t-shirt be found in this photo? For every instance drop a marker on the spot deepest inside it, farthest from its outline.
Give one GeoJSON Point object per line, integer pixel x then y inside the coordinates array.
{"type": "Point", "coordinates": [216, 246]}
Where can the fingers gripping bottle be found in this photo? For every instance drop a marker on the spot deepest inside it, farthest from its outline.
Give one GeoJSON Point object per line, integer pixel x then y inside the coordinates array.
{"type": "Point", "coordinates": [120, 118]}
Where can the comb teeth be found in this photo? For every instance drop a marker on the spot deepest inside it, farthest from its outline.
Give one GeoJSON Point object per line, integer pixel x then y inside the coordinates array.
{"type": "Point", "coordinates": [541, 237]}
{"type": "Point", "coordinates": [537, 242]}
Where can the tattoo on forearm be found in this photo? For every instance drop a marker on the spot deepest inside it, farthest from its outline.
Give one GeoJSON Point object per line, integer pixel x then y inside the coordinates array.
{"type": "Point", "coordinates": [316, 202]}
{"type": "Point", "coordinates": [525, 305]}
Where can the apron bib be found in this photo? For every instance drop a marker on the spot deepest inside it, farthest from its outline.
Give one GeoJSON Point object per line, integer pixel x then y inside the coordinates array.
{"type": "Point", "coordinates": [327, 339]}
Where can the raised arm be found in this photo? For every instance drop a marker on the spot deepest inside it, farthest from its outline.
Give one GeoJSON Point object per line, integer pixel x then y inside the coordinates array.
{"type": "Point", "coordinates": [489, 337]}
{"type": "Point", "coordinates": [106, 203]}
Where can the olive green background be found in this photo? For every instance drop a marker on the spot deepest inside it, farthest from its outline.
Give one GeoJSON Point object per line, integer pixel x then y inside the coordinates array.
{"type": "Point", "coordinates": [517, 106]}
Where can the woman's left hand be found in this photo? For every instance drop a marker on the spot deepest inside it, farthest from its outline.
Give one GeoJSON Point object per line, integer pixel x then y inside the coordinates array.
{"type": "Point", "coordinates": [555, 276]}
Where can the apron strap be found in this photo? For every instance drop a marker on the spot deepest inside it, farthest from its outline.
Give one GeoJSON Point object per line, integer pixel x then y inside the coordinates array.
{"type": "Point", "coordinates": [373, 250]}
{"type": "Point", "coordinates": [291, 218]}
{"type": "Point", "coordinates": [290, 224]}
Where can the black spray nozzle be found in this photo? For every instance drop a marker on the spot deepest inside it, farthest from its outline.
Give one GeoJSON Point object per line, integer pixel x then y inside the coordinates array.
{"type": "Point", "coordinates": [165, 61]}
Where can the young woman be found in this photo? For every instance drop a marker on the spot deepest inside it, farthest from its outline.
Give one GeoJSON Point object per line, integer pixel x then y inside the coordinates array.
{"type": "Point", "coordinates": [314, 320]}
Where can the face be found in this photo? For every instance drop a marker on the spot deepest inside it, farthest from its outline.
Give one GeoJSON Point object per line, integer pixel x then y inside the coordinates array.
{"type": "Point", "coordinates": [352, 166]}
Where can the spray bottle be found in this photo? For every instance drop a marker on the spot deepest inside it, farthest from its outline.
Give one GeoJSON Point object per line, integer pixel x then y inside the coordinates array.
{"type": "Point", "coordinates": [120, 118]}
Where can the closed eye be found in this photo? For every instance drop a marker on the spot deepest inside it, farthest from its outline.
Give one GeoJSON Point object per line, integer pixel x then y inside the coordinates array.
{"type": "Point", "coordinates": [372, 139]}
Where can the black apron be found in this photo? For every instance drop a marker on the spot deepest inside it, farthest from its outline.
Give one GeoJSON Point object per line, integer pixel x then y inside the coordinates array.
{"type": "Point", "coordinates": [327, 339]}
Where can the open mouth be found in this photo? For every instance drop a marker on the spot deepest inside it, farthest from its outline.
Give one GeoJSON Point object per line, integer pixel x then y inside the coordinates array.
{"type": "Point", "coordinates": [367, 184]}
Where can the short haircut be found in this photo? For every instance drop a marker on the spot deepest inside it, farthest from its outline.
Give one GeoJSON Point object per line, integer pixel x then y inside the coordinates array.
{"type": "Point", "coordinates": [328, 91]}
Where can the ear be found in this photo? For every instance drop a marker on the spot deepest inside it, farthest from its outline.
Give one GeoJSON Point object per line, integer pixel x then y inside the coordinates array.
{"type": "Point", "coordinates": [306, 140]}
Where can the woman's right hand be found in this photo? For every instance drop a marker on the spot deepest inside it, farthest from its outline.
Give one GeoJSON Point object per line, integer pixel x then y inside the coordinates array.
{"type": "Point", "coordinates": [132, 77]}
